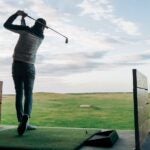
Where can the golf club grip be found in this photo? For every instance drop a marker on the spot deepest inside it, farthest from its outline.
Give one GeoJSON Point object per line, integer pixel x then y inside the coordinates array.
{"type": "Point", "coordinates": [31, 17]}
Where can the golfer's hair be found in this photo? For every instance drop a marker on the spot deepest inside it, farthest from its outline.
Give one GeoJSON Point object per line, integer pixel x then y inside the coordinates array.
{"type": "Point", "coordinates": [40, 22]}
{"type": "Point", "coordinates": [38, 27]}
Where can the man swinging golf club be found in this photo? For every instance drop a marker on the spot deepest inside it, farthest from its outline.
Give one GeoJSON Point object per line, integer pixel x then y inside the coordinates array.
{"type": "Point", "coordinates": [23, 69]}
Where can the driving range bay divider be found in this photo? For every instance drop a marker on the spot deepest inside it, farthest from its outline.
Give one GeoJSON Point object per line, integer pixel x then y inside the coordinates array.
{"type": "Point", "coordinates": [1, 85]}
{"type": "Point", "coordinates": [141, 108]}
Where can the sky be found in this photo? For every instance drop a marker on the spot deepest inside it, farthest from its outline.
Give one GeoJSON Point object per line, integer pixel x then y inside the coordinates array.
{"type": "Point", "coordinates": [107, 39]}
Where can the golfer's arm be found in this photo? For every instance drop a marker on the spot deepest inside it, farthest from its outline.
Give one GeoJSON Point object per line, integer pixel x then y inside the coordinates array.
{"type": "Point", "coordinates": [10, 26]}
{"type": "Point", "coordinates": [23, 22]}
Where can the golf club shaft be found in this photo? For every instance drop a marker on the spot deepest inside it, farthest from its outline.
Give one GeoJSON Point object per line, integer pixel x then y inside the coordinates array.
{"type": "Point", "coordinates": [50, 29]}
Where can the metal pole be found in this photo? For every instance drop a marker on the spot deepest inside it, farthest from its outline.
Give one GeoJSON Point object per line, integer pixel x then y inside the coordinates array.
{"type": "Point", "coordinates": [66, 41]}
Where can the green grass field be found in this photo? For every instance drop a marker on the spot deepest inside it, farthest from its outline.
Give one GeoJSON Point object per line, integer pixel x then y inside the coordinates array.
{"type": "Point", "coordinates": [107, 110]}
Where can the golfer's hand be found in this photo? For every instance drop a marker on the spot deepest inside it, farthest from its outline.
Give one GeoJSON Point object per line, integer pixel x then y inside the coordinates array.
{"type": "Point", "coordinates": [21, 13]}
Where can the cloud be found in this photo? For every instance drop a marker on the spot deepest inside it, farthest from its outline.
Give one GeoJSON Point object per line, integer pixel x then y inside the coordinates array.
{"type": "Point", "coordinates": [80, 62]}
{"type": "Point", "coordinates": [74, 63]}
{"type": "Point", "coordinates": [104, 10]}
{"type": "Point", "coordinates": [130, 59]}
{"type": "Point", "coordinates": [5, 65]}
{"type": "Point", "coordinates": [96, 9]}
{"type": "Point", "coordinates": [6, 8]}
{"type": "Point", "coordinates": [43, 9]}
{"type": "Point", "coordinates": [7, 4]}
{"type": "Point", "coordinates": [63, 64]}
{"type": "Point", "coordinates": [71, 58]}
{"type": "Point", "coordinates": [127, 26]}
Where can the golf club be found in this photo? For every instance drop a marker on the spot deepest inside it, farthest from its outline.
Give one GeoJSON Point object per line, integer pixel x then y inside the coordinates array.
{"type": "Point", "coordinates": [66, 41]}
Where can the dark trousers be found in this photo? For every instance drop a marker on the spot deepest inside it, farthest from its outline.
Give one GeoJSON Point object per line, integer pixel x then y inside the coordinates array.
{"type": "Point", "coordinates": [23, 76]}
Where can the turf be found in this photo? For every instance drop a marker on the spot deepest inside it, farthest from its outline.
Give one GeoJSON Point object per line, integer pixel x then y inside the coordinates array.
{"type": "Point", "coordinates": [44, 138]}
{"type": "Point", "coordinates": [107, 110]}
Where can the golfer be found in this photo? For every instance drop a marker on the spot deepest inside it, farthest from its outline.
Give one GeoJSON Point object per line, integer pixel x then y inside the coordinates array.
{"type": "Point", "coordinates": [23, 69]}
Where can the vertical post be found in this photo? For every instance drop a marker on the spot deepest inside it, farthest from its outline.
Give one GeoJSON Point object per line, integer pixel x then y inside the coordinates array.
{"type": "Point", "coordinates": [136, 124]}
{"type": "Point", "coordinates": [141, 108]}
{"type": "Point", "coordinates": [1, 85]}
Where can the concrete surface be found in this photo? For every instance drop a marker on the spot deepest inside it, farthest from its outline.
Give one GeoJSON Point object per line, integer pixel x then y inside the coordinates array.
{"type": "Point", "coordinates": [125, 142]}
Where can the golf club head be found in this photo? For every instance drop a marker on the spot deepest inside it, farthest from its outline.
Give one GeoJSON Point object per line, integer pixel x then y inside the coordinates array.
{"type": "Point", "coordinates": [66, 40]}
